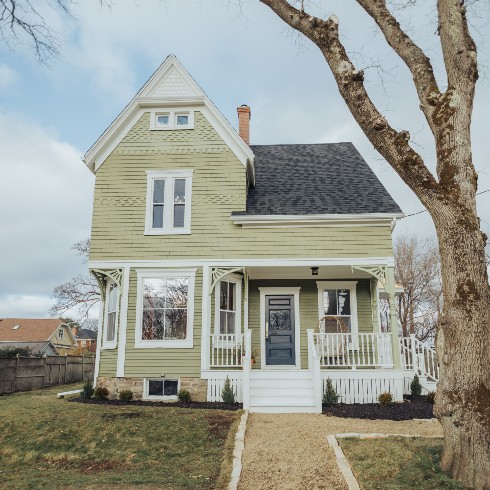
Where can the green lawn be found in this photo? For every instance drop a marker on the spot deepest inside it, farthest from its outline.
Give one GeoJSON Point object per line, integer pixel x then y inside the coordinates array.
{"type": "Point", "coordinates": [397, 463]}
{"type": "Point", "coordinates": [48, 443]}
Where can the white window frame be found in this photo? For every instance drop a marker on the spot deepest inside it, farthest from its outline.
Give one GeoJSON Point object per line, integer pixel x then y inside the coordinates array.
{"type": "Point", "coordinates": [172, 120]}
{"type": "Point", "coordinates": [168, 211]}
{"type": "Point", "coordinates": [186, 343]}
{"type": "Point", "coordinates": [238, 303]}
{"type": "Point", "coordinates": [146, 396]}
{"type": "Point", "coordinates": [352, 287]}
{"type": "Point", "coordinates": [110, 344]}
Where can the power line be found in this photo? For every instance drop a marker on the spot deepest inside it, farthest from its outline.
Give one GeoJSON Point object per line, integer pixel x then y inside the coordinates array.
{"type": "Point", "coordinates": [425, 210]}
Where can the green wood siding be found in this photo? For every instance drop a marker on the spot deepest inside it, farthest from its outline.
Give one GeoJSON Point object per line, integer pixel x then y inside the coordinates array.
{"type": "Point", "coordinates": [308, 305]}
{"type": "Point", "coordinates": [219, 187]}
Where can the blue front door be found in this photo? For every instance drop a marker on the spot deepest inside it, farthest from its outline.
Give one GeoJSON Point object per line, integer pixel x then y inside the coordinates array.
{"type": "Point", "coordinates": [279, 330]}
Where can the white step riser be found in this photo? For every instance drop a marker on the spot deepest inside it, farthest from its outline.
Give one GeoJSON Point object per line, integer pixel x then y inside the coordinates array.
{"type": "Point", "coordinates": [273, 393]}
{"type": "Point", "coordinates": [257, 409]}
{"type": "Point", "coordinates": [280, 375]}
{"type": "Point", "coordinates": [275, 384]}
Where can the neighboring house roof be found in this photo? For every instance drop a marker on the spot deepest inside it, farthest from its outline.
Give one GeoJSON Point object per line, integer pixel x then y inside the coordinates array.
{"type": "Point", "coordinates": [315, 179]}
{"type": "Point", "coordinates": [86, 334]}
{"type": "Point", "coordinates": [30, 329]}
{"type": "Point", "coordinates": [35, 347]}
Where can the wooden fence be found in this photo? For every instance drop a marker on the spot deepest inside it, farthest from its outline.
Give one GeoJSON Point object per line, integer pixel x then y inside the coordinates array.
{"type": "Point", "coordinates": [30, 373]}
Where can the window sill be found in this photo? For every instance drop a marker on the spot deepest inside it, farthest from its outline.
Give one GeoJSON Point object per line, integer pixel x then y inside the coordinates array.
{"type": "Point", "coordinates": [183, 231]}
{"type": "Point", "coordinates": [109, 345]}
{"type": "Point", "coordinates": [172, 398]}
{"type": "Point", "coordinates": [164, 344]}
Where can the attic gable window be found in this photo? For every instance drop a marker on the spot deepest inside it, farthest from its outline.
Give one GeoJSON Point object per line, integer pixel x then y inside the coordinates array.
{"type": "Point", "coordinates": [60, 333]}
{"type": "Point", "coordinates": [172, 120]}
{"type": "Point", "coordinates": [168, 202]}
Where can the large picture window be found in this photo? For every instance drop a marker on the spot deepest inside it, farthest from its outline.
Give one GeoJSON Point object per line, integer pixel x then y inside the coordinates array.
{"type": "Point", "coordinates": [165, 308]}
{"type": "Point", "coordinates": [338, 301]}
{"type": "Point", "coordinates": [168, 202]}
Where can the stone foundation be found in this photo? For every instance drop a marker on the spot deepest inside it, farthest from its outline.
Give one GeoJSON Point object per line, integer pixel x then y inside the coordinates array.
{"type": "Point", "coordinates": [198, 388]}
{"type": "Point", "coordinates": [116, 385]}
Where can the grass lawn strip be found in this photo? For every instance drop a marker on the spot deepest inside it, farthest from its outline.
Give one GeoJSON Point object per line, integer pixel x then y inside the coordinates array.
{"type": "Point", "coordinates": [49, 443]}
{"type": "Point", "coordinates": [396, 461]}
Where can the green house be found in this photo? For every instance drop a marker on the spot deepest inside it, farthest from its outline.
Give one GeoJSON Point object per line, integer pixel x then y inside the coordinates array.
{"type": "Point", "coordinates": [220, 259]}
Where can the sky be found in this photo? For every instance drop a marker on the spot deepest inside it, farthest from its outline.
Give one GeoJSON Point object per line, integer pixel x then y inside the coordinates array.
{"type": "Point", "coordinates": [239, 53]}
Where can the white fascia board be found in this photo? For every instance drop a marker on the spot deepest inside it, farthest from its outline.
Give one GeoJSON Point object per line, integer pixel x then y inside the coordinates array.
{"type": "Point", "coordinates": [268, 221]}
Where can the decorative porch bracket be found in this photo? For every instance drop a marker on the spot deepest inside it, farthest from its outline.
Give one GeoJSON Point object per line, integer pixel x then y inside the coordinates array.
{"type": "Point", "coordinates": [218, 273]}
{"type": "Point", "coordinates": [100, 275]}
{"type": "Point", "coordinates": [379, 272]}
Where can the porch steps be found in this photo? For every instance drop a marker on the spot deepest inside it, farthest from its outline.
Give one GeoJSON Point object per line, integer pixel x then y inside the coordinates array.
{"type": "Point", "coordinates": [281, 391]}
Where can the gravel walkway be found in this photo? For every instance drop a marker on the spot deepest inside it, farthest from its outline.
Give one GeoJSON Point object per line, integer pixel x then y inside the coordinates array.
{"type": "Point", "coordinates": [290, 451]}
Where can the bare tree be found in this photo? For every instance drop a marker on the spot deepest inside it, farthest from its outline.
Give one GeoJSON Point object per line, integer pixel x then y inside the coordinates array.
{"type": "Point", "coordinates": [78, 295]}
{"type": "Point", "coordinates": [463, 337]}
{"type": "Point", "coordinates": [417, 270]}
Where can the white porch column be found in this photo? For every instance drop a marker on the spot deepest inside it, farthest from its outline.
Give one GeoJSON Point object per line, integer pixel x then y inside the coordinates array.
{"type": "Point", "coordinates": [395, 341]}
{"type": "Point", "coordinates": [206, 317]}
{"type": "Point", "coordinates": [123, 323]}
{"type": "Point", "coordinates": [375, 305]}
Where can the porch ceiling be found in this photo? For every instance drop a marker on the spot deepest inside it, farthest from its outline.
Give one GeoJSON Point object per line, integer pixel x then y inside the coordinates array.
{"type": "Point", "coordinates": [304, 272]}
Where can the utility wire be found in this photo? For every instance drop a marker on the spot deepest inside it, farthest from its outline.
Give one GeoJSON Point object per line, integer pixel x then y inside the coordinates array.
{"type": "Point", "coordinates": [425, 210]}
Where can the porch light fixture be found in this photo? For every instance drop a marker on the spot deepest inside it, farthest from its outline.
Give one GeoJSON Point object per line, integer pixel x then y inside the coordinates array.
{"type": "Point", "coordinates": [314, 271]}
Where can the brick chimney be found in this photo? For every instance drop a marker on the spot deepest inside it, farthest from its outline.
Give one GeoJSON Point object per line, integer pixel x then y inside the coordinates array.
{"type": "Point", "coordinates": [244, 116]}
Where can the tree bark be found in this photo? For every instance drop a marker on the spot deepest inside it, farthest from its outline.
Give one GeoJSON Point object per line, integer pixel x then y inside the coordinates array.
{"type": "Point", "coordinates": [463, 338]}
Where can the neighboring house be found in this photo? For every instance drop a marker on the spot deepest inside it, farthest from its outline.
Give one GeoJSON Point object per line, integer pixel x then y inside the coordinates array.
{"type": "Point", "coordinates": [86, 339]}
{"type": "Point", "coordinates": [47, 335]}
{"type": "Point", "coordinates": [210, 252]}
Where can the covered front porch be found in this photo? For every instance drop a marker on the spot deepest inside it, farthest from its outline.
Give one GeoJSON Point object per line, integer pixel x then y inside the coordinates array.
{"type": "Point", "coordinates": [299, 324]}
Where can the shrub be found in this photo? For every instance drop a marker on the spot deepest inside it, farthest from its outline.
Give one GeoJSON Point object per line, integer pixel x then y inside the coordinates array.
{"type": "Point", "coordinates": [184, 396]}
{"type": "Point", "coordinates": [87, 390]}
{"type": "Point", "coordinates": [415, 386]}
{"type": "Point", "coordinates": [385, 398]}
{"type": "Point", "coordinates": [430, 398]}
{"type": "Point", "coordinates": [101, 393]}
{"type": "Point", "coordinates": [227, 392]}
{"type": "Point", "coordinates": [330, 396]}
{"type": "Point", "coordinates": [126, 395]}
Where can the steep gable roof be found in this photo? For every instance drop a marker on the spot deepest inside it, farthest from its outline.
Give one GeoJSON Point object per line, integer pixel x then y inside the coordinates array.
{"type": "Point", "coordinates": [315, 179]}
{"type": "Point", "coordinates": [170, 86]}
{"type": "Point", "coordinates": [29, 330]}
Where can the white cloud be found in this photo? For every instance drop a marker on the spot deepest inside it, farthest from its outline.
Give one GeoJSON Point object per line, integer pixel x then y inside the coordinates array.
{"type": "Point", "coordinates": [7, 76]}
{"type": "Point", "coordinates": [46, 200]}
{"type": "Point", "coordinates": [24, 306]}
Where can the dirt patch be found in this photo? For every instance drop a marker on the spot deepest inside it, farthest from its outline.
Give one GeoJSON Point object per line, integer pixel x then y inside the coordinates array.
{"type": "Point", "coordinates": [143, 403]}
{"type": "Point", "coordinates": [218, 426]}
{"type": "Point", "coordinates": [290, 451]}
{"type": "Point", "coordinates": [414, 407]}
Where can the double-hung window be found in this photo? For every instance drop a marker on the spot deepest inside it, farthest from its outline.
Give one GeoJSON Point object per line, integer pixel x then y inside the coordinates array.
{"type": "Point", "coordinates": [165, 308]}
{"type": "Point", "coordinates": [228, 306]}
{"type": "Point", "coordinates": [111, 316]}
{"type": "Point", "coordinates": [338, 301]}
{"type": "Point", "coordinates": [168, 202]}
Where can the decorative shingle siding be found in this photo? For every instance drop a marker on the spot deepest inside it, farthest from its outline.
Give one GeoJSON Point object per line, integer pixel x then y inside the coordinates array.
{"type": "Point", "coordinates": [218, 190]}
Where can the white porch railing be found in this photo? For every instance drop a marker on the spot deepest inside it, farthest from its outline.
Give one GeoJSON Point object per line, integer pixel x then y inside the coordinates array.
{"type": "Point", "coordinates": [226, 350]}
{"type": "Point", "coordinates": [348, 350]}
{"type": "Point", "coordinates": [418, 357]}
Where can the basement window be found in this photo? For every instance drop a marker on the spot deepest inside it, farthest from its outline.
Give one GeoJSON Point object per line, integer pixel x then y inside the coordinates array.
{"type": "Point", "coordinates": [166, 389]}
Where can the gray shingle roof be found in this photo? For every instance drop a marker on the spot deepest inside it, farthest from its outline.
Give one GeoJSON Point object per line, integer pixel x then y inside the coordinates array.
{"type": "Point", "coordinates": [315, 179]}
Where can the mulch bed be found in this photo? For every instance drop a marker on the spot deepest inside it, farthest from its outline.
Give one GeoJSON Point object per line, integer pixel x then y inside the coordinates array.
{"type": "Point", "coordinates": [149, 403]}
{"type": "Point", "coordinates": [413, 407]}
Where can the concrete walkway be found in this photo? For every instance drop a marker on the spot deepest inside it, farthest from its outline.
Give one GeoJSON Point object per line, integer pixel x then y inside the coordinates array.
{"type": "Point", "coordinates": [290, 451]}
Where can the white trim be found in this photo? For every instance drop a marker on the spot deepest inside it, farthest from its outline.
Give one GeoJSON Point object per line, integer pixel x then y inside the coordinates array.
{"type": "Point", "coordinates": [247, 262]}
{"type": "Point", "coordinates": [167, 344]}
{"type": "Point", "coordinates": [143, 101]}
{"type": "Point", "coordinates": [312, 220]}
{"type": "Point", "coordinates": [172, 119]}
{"type": "Point", "coordinates": [110, 344]}
{"type": "Point", "coordinates": [160, 398]}
{"type": "Point", "coordinates": [352, 287]}
{"type": "Point", "coordinates": [267, 291]}
{"type": "Point", "coordinates": [206, 318]}
{"type": "Point", "coordinates": [169, 176]}
{"type": "Point", "coordinates": [121, 350]}
{"type": "Point", "coordinates": [238, 303]}
{"type": "Point", "coordinates": [99, 343]}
